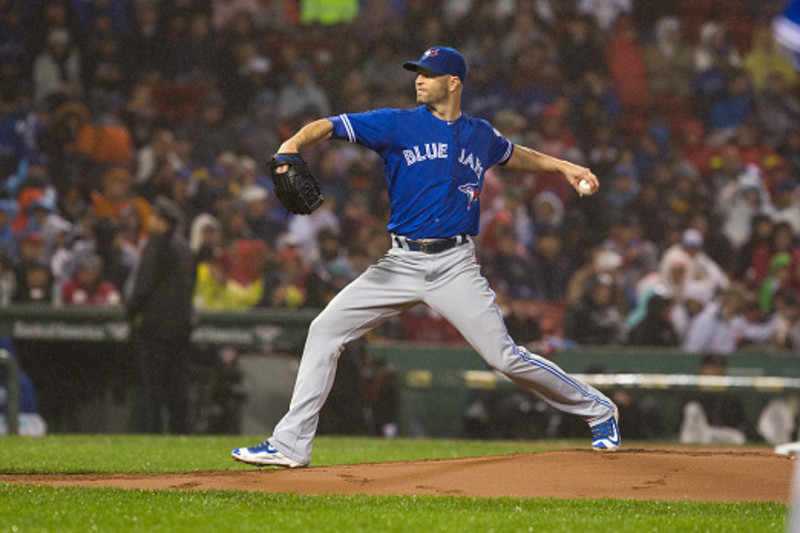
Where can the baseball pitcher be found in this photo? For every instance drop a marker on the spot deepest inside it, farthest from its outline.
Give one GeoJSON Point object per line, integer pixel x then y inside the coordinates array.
{"type": "Point", "coordinates": [434, 158]}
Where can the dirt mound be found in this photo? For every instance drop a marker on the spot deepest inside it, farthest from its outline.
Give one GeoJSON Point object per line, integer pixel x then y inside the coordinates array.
{"type": "Point", "coordinates": [646, 474]}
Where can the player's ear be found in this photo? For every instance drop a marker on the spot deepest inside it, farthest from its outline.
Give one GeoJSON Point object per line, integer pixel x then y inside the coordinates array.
{"type": "Point", "coordinates": [454, 83]}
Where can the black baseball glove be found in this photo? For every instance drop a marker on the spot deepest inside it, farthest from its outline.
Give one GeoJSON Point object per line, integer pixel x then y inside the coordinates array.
{"type": "Point", "coordinates": [297, 189]}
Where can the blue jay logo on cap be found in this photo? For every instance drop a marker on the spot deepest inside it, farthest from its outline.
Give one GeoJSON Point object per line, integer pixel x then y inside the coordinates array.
{"type": "Point", "coordinates": [440, 60]}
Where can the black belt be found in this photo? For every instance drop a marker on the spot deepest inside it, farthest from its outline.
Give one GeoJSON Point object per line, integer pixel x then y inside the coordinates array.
{"type": "Point", "coordinates": [430, 246]}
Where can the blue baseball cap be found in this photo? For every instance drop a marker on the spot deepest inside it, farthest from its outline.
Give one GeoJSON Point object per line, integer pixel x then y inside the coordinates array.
{"type": "Point", "coordinates": [440, 60]}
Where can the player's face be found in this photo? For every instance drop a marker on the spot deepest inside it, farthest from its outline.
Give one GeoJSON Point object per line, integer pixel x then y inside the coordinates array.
{"type": "Point", "coordinates": [431, 88]}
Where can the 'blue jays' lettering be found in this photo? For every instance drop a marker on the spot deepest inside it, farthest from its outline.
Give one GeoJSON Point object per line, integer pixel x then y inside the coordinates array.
{"type": "Point", "coordinates": [435, 184]}
{"type": "Point", "coordinates": [429, 151]}
{"type": "Point", "coordinates": [472, 162]}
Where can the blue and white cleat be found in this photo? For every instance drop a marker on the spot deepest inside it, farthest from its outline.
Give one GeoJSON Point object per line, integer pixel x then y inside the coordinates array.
{"type": "Point", "coordinates": [605, 435]}
{"type": "Point", "coordinates": [264, 454]}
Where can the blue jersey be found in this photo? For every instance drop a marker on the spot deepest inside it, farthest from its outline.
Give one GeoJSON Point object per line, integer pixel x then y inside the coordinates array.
{"type": "Point", "coordinates": [434, 168]}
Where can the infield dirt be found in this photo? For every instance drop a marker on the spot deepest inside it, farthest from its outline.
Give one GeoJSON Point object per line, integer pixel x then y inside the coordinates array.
{"type": "Point", "coordinates": [725, 475]}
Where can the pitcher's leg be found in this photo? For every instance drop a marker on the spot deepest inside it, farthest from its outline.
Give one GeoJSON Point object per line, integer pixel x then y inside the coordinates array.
{"type": "Point", "coordinates": [469, 304]}
{"type": "Point", "coordinates": [367, 302]}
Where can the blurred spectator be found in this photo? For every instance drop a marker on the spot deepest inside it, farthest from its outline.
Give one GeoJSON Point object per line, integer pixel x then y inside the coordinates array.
{"type": "Point", "coordinates": [627, 67]}
{"type": "Point", "coordinates": [732, 107]}
{"type": "Point", "coordinates": [302, 96]}
{"type": "Point", "coordinates": [249, 74]}
{"type": "Point", "coordinates": [595, 103]}
{"type": "Point", "coordinates": [487, 93]}
{"type": "Point", "coordinates": [57, 69]}
{"type": "Point", "coordinates": [754, 151]}
{"type": "Point", "coordinates": [523, 33]}
{"type": "Point", "coordinates": [87, 286]}
{"type": "Point", "coordinates": [521, 322]}
{"type": "Point", "coordinates": [217, 291]}
{"type": "Point", "coordinates": [785, 206]}
{"type": "Point", "coordinates": [537, 82]}
{"type": "Point", "coordinates": [34, 283]}
{"type": "Point", "coordinates": [761, 226]}
{"type": "Point", "coordinates": [554, 137]}
{"type": "Point", "coordinates": [580, 49]}
{"type": "Point", "coordinates": [691, 145]}
{"type": "Point", "coordinates": [551, 267]}
{"type": "Point", "coordinates": [670, 59]}
{"type": "Point", "coordinates": [700, 267]}
{"type": "Point", "coordinates": [650, 210]}
{"type": "Point", "coordinates": [709, 85]}
{"type": "Point", "coordinates": [160, 149]}
{"type": "Point", "coordinates": [106, 141]}
{"type": "Point", "coordinates": [8, 281]}
{"type": "Point", "coordinates": [117, 196]}
{"type": "Point", "coordinates": [87, 13]}
{"type": "Point", "coordinates": [714, 45]}
{"type": "Point", "coordinates": [777, 108]}
{"type": "Point", "coordinates": [765, 60]}
{"type": "Point", "coordinates": [713, 417]}
{"type": "Point", "coordinates": [227, 14]}
{"type": "Point", "coordinates": [304, 229]}
{"type": "Point", "coordinates": [607, 13]}
{"type": "Point", "coordinates": [160, 306]}
{"type": "Point", "coordinates": [14, 45]}
{"type": "Point", "coordinates": [655, 328]}
{"type": "Point", "coordinates": [205, 237]}
{"type": "Point", "coordinates": [595, 320]}
{"type": "Point", "coordinates": [256, 203]}
{"type": "Point", "coordinates": [601, 262]}
{"type": "Point", "coordinates": [59, 142]}
{"type": "Point", "coordinates": [248, 259]}
{"type": "Point", "coordinates": [194, 57]}
{"type": "Point", "coordinates": [210, 132]}
{"type": "Point", "coordinates": [30, 422]}
{"type": "Point", "coordinates": [102, 69]}
{"type": "Point", "coordinates": [623, 187]}
{"type": "Point", "coordinates": [778, 280]}
{"type": "Point", "coordinates": [512, 269]}
{"type": "Point", "coordinates": [329, 271]}
{"type": "Point", "coordinates": [789, 148]}
{"type": "Point", "coordinates": [144, 47]}
{"type": "Point", "coordinates": [749, 200]}
{"type": "Point", "coordinates": [639, 256]}
{"type": "Point", "coordinates": [8, 212]}
{"type": "Point", "coordinates": [722, 325]}
{"type": "Point", "coordinates": [782, 239]}
{"type": "Point", "coordinates": [285, 281]}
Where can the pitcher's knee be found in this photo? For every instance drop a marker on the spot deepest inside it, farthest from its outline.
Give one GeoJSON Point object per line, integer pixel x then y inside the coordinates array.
{"type": "Point", "coordinates": [322, 326]}
{"type": "Point", "coordinates": [512, 361]}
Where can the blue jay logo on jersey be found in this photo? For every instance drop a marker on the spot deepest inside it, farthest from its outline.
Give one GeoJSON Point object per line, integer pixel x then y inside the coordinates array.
{"type": "Point", "coordinates": [471, 190]}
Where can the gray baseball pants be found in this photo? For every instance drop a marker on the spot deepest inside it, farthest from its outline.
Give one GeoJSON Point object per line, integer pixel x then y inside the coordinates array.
{"type": "Point", "coordinates": [450, 282]}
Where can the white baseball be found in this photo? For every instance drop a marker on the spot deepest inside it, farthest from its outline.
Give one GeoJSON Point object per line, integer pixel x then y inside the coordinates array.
{"type": "Point", "coordinates": [585, 187]}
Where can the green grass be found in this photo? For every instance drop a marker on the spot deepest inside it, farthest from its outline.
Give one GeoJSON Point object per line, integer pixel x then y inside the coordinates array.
{"type": "Point", "coordinates": [29, 508]}
{"type": "Point", "coordinates": [140, 453]}
{"type": "Point", "coordinates": [51, 509]}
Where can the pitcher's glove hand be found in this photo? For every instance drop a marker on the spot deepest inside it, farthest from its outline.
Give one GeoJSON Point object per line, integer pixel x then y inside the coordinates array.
{"type": "Point", "coordinates": [296, 188]}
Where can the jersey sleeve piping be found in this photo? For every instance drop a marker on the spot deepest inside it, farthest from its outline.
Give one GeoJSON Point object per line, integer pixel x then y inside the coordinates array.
{"type": "Point", "coordinates": [351, 134]}
{"type": "Point", "coordinates": [342, 128]}
{"type": "Point", "coordinates": [507, 154]}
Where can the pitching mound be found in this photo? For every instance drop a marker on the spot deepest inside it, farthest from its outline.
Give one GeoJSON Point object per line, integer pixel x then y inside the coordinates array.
{"type": "Point", "coordinates": [647, 474]}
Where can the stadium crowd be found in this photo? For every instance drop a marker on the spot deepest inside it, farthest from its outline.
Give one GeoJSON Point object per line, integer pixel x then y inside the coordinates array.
{"type": "Point", "coordinates": [686, 111]}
